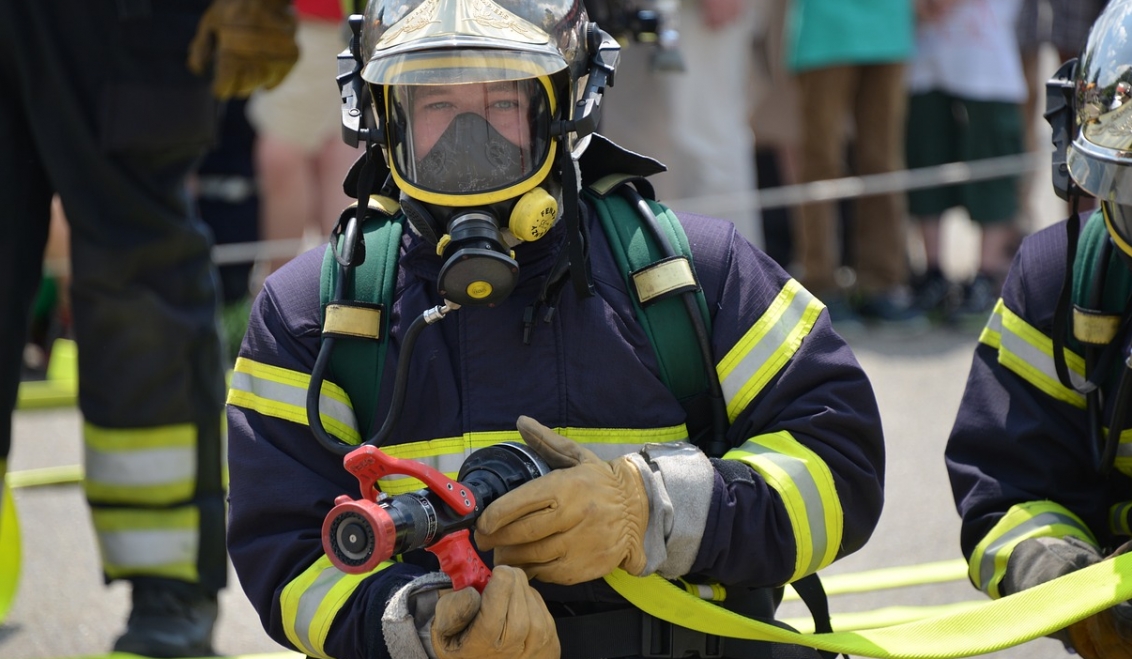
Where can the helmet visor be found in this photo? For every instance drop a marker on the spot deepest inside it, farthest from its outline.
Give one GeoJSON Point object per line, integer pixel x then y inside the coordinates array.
{"type": "Point", "coordinates": [478, 139]}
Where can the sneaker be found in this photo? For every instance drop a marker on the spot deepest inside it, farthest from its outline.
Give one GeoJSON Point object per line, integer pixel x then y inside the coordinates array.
{"type": "Point", "coordinates": [934, 295]}
{"type": "Point", "coordinates": [894, 308]}
{"type": "Point", "coordinates": [169, 619]}
{"type": "Point", "coordinates": [979, 297]}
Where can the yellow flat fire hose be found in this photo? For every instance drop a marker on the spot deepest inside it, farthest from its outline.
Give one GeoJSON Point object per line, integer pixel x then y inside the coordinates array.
{"type": "Point", "coordinates": [9, 551]}
{"type": "Point", "coordinates": [980, 629]}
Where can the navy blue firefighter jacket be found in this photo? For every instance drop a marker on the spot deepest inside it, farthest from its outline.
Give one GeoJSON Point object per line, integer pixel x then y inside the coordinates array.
{"type": "Point", "coordinates": [800, 487]}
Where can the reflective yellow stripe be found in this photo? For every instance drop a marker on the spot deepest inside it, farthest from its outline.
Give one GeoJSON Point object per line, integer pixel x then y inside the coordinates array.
{"type": "Point", "coordinates": [1034, 519]}
{"type": "Point", "coordinates": [282, 393]}
{"type": "Point", "coordinates": [155, 543]}
{"type": "Point", "coordinates": [311, 601]}
{"type": "Point", "coordinates": [710, 592]}
{"type": "Point", "coordinates": [1118, 518]}
{"type": "Point", "coordinates": [1027, 352]}
{"type": "Point", "coordinates": [1123, 461]}
{"type": "Point", "coordinates": [767, 346]}
{"type": "Point", "coordinates": [447, 454]}
{"type": "Point", "coordinates": [805, 483]}
{"type": "Point", "coordinates": [144, 466]}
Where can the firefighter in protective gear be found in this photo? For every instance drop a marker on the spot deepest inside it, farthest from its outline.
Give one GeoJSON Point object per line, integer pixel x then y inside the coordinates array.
{"type": "Point", "coordinates": [100, 108]}
{"type": "Point", "coordinates": [481, 107]}
{"type": "Point", "coordinates": [1039, 454]}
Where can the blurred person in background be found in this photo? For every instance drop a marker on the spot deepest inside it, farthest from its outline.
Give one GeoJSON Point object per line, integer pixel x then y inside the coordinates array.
{"type": "Point", "coordinates": [300, 157]}
{"type": "Point", "coordinates": [777, 129]}
{"type": "Point", "coordinates": [849, 59]}
{"type": "Point", "coordinates": [966, 89]}
{"type": "Point", "coordinates": [103, 108]}
{"type": "Point", "coordinates": [695, 121]}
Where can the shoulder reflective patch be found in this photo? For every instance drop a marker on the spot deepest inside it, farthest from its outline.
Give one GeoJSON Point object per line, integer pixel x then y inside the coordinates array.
{"type": "Point", "coordinates": [805, 483]}
{"type": "Point", "coordinates": [309, 604]}
{"type": "Point", "coordinates": [448, 453]}
{"type": "Point", "coordinates": [1026, 351]}
{"type": "Point", "coordinates": [1034, 519]}
{"type": "Point", "coordinates": [282, 393]}
{"type": "Point", "coordinates": [767, 346]}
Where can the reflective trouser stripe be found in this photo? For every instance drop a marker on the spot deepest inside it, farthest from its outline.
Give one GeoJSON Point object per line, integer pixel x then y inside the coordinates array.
{"type": "Point", "coordinates": [447, 454]}
{"type": "Point", "coordinates": [282, 393]}
{"type": "Point", "coordinates": [155, 543]}
{"type": "Point", "coordinates": [1034, 519]}
{"type": "Point", "coordinates": [311, 601]}
{"type": "Point", "coordinates": [140, 466]}
{"type": "Point", "coordinates": [806, 486]}
{"type": "Point", "coordinates": [1026, 351]}
{"type": "Point", "coordinates": [767, 346]}
{"type": "Point", "coordinates": [1124, 452]}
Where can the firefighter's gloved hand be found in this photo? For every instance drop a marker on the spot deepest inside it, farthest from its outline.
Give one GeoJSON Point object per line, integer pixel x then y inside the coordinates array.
{"type": "Point", "coordinates": [251, 44]}
{"type": "Point", "coordinates": [1108, 634]}
{"type": "Point", "coordinates": [1105, 635]}
{"type": "Point", "coordinates": [576, 523]}
{"type": "Point", "coordinates": [508, 621]}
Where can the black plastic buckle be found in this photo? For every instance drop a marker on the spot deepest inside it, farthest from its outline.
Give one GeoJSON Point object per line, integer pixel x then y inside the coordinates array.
{"type": "Point", "coordinates": [661, 639]}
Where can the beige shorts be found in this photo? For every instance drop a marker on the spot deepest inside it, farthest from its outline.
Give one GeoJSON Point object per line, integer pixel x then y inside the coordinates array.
{"type": "Point", "coordinates": [306, 108]}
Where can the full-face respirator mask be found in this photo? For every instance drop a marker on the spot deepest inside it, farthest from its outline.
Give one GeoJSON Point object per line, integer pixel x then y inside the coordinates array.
{"type": "Point", "coordinates": [472, 163]}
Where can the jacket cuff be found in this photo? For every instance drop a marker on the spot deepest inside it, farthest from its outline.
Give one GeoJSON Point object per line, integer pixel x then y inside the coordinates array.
{"type": "Point", "coordinates": [407, 621]}
{"type": "Point", "coordinates": [678, 480]}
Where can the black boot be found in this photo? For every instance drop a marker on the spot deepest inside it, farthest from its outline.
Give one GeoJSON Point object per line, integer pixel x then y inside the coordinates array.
{"type": "Point", "coordinates": [169, 619]}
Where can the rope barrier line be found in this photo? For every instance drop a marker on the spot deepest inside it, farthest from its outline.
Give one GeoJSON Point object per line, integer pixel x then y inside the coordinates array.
{"type": "Point", "coordinates": [985, 627]}
{"type": "Point", "coordinates": [787, 195]}
{"type": "Point", "coordinates": [852, 187]}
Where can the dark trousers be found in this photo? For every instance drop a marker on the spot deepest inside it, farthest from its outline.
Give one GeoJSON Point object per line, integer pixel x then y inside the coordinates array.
{"type": "Point", "coordinates": [96, 105]}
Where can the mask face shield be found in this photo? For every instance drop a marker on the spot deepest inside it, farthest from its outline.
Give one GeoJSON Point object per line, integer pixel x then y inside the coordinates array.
{"type": "Point", "coordinates": [468, 129]}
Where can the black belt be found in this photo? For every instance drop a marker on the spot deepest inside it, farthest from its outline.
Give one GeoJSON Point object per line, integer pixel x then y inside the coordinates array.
{"type": "Point", "coordinates": [633, 633]}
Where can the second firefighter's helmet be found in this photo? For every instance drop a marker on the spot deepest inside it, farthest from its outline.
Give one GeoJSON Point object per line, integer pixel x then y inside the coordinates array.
{"type": "Point", "coordinates": [1100, 157]}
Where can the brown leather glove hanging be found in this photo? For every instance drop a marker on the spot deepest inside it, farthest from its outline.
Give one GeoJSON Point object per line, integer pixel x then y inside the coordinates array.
{"type": "Point", "coordinates": [251, 43]}
{"type": "Point", "coordinates": [1108, 634]}
{"type": "Point", "coordinates": [575, 524]}
{"type": "Point", "coordinates": [509, 621]}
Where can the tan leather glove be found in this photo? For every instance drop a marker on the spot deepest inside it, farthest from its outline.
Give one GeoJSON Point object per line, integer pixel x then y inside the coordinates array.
{"type": "Point", "coordinates": [509, 621]}
{"type": "Point", "coordinates": [1104, 635]}
{"type": "Point", "coordinates": [250, 42]}
{"type": "Point", "coordinates": [1108, 634]}
{"type": "Point", "coordinates": [575, 524]}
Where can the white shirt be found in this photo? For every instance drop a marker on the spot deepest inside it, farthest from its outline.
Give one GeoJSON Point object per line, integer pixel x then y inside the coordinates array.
{"type": "Point", "coordinates": [970, 52]}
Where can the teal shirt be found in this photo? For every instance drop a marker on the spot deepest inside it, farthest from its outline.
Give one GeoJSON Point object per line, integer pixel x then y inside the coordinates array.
{"type": "Point", "coordinates": [824, 33]}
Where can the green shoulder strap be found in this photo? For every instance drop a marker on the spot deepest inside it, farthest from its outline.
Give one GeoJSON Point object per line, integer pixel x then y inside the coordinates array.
{"type": "Point", "coordinates": [359, 321]}
{"type": "Point", "coordinates": [663, 316]}
{"type": "Point", "coordinates": [1092, 325]}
